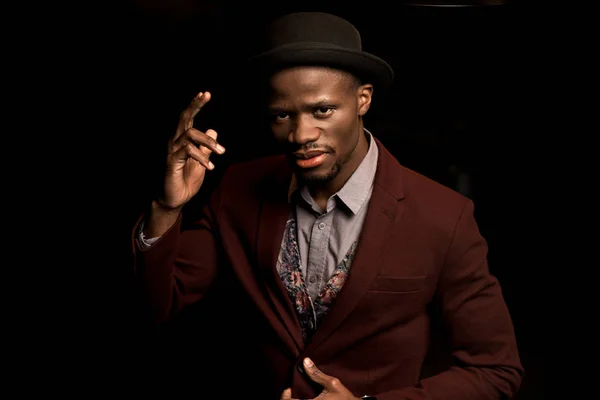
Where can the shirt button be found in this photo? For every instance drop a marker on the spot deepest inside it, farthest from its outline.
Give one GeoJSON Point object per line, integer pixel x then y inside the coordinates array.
{"type": "Point", "coordinates": [322, 225]}
{"type": "Point", "coordinates": [312, 279]}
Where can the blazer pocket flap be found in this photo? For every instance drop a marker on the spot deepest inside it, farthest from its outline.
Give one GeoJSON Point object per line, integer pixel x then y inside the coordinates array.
{"type": "Point", "coordinates": [394, 284]}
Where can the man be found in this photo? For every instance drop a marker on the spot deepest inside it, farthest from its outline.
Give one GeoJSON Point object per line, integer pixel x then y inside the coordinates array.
{"type": "Point", "coordinates": [328, 259]}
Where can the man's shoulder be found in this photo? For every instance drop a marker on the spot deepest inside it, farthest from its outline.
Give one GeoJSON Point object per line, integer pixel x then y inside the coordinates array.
{"type": "Point", "coordinates": [426, 187]}
{"type": "Point", "coordinates": [431, 203]}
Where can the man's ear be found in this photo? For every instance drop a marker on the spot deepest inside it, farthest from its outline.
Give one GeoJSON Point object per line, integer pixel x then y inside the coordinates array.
{"type": "Point", "coordinates": [365, 94]}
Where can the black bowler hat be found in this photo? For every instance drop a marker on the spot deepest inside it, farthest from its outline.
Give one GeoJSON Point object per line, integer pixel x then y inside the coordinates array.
{"type": "Point", "coordinates": [320, 39]}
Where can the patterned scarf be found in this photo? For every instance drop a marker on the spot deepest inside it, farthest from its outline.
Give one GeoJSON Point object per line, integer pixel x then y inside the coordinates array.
{"type": "Point", "coordinates": [310, 312]}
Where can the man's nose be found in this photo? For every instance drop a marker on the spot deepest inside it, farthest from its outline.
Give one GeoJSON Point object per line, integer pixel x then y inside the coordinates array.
{"type": "Point", "coordinates": [303, 131]}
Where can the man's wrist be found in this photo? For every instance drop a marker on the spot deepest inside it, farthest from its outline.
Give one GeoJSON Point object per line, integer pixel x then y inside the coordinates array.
{"type": "Point", "coordinates": [160, 220]}
{"type": "Point", "coordinates": [158, 208]}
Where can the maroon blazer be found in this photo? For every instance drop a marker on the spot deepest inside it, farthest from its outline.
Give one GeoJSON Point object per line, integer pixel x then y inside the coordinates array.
{"type": "Point", "coordinates": [420, 250]}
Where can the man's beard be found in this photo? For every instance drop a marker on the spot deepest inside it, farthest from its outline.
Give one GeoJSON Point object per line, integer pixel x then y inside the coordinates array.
{"type": "Point", "coordinates": [317, 179]}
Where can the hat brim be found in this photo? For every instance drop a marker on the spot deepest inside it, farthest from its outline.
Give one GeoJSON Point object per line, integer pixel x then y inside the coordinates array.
{"type": "Point", "coordinates": [367, 67]}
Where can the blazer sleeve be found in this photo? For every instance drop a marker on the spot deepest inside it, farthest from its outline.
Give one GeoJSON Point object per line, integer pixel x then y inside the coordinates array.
{"type": "Point", "coordinates": [178, 269]}
{"type": "Point", "coordinates": [487, 363]}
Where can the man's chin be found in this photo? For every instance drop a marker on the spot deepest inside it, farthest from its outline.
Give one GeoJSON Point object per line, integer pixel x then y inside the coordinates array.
{"type": "Point", "coordinates": [314, 176]}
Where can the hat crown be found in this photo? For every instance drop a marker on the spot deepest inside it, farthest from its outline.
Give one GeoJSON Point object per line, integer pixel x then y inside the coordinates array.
{"type": "Point", "coordinates": [318, 39]}
{"type": "Point", "coordinates": [315, 27]}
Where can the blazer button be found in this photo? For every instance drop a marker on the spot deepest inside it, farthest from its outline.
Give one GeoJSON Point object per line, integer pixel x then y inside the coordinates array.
{"type": "Point", "coordinates": [300, 367]}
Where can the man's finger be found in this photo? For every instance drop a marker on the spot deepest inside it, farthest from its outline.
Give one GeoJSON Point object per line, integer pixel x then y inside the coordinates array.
{"type": "Point", "coordinates": [330, 383]}
{"type": "Point", "coordinates": [213, 134]}
{"type": "Point", "coordinates": [205, 141]}
{"type": "Point", "coordinates": [286, 394]}
{"type": "Point", "coordinates": [191, 151]}
{"type": "Point", "coordinates": [186, 121]}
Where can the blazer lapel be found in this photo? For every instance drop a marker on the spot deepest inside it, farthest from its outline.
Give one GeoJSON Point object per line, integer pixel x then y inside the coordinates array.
{"type": "Point", "coordinates": [384, 211]}
{"type": "Point", "coordinates": [274, 214]}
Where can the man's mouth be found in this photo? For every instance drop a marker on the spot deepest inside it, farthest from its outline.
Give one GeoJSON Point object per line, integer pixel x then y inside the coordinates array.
{"type": "Point", "coordinates": [308, 154]}
{"type": "Point", "coordinates": [310, 159]}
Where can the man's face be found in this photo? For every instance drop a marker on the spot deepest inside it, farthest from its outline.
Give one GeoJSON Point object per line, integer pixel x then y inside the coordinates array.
{"type": "Point", "coordinates": [316, 112]}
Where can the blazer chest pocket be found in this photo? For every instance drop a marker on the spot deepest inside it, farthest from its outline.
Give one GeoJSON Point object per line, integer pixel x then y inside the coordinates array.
{"type": "Point", "coordinates": [392, 284]}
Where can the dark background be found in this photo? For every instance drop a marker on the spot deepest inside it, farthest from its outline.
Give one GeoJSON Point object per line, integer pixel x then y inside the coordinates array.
{"type": "Point", "coordinates": [457, 112]}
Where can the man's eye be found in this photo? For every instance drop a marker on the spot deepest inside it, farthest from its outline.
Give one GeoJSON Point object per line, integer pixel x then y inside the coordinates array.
{"type": "Point", "coordinates": [323, 111]}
